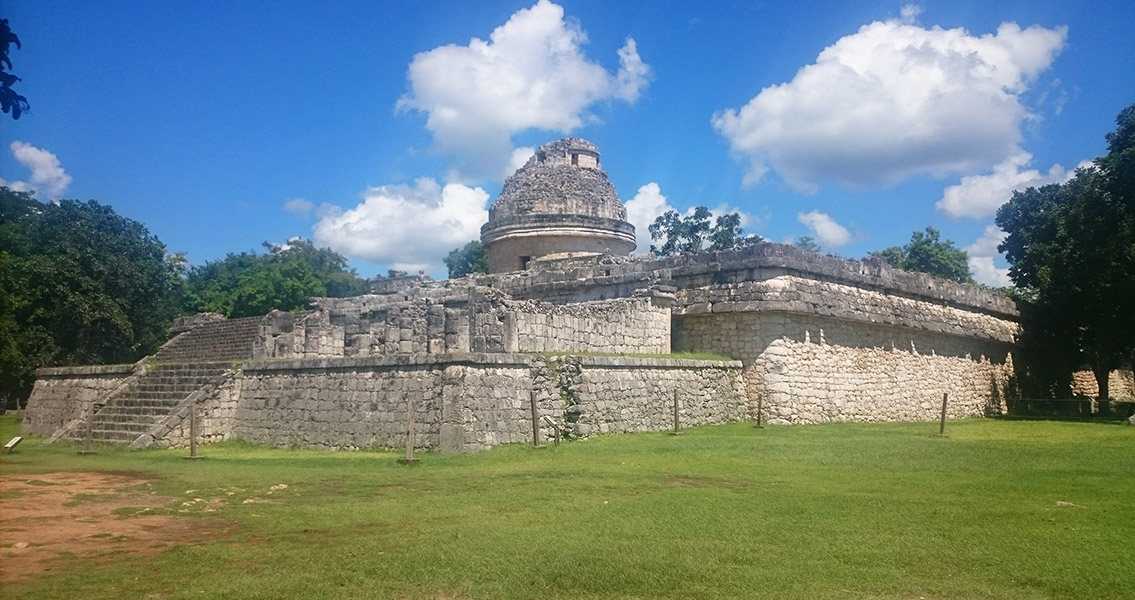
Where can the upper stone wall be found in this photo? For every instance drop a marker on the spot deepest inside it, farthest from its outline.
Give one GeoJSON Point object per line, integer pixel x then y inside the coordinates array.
{"type": "Point", "coordinates": [456, 317]}
{"type": "Point", "coordinates": [609, 276]}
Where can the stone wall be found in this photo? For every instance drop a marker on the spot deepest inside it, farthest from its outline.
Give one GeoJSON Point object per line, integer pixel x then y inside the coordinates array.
{"type": "Point", "coordinates": [624, 326]}
{"type": "Point", "coordinates": [466, 319]}
{"type": "Point", "coordinates": [1120, 383]}
{"type": "Point", "coordinates": [810, 369]}
{"type": "Point", "coordinates": [462, 402]}
{"type": "Point", "coordinates": [63, 394]}
{"type": "Point", "coordinates": [799, 295]}
{"type": "Point", "coordinates": [619, 395]}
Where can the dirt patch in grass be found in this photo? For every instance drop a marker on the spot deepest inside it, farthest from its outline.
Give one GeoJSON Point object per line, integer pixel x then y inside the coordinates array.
{"type": "Point", "coordinates": [52, 520]}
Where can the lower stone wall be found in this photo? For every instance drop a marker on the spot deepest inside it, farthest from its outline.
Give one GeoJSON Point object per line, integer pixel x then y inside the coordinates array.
{"type": "Point", "coordinates": [619, 395]}
{"type": "Point", "coordinates": [62, 394]}
{"type": "Point", "coordinates": [467, 402]}
{"type": "Point", "coordinates": [807, 369]}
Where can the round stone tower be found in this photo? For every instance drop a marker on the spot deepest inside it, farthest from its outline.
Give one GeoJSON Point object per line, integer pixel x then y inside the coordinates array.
{"type": "Point", "coordinates": [560, 201]}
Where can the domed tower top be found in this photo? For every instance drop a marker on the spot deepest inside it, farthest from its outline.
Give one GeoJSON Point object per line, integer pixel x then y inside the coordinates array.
{"type": "Point", "coordinates": [559, 201]}
{"type": "Point", "coordinates": [564, 178]}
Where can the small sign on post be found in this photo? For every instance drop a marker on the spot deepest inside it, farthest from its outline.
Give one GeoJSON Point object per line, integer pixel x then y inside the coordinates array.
{"type": "Point", "coordinates": [12, 443]}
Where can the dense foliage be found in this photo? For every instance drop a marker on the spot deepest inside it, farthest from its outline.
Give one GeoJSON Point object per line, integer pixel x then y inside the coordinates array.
{"type": "Point", "coordinates": [1071, 250]}
{"type": "Point", "coordinates": [467, 259]}
{"type": "Point", "coordinates": [693, 233]}
{"type": "Point", "coordinates": [926, 252]}
{"type": "Point", "coordinates": [10, 101]}
{"type": "Point", "coordinates": [285, 278]}
{"type": "Point", "coordinates": [808, 244]}
{"type": "Point", "coordinates": [79, 284]}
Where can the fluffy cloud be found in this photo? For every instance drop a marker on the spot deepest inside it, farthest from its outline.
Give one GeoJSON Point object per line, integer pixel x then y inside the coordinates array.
{"type": "Point", "coordinates": [647, 205]}
{"type": "Point", "coordinates": [825, 229]}
{"type": "Point", "coordinates": [891, 101]}
{"type": "Point", "coordinates": [981, 254]}
{"type": "Point", "coordinates": [48, 179]}
{"type": "Point", "coordinates": [979, 196]}
{"type": "Point", "coordinates": [530, 74]}
{"type": "Point", "coordinates": [405, 227]}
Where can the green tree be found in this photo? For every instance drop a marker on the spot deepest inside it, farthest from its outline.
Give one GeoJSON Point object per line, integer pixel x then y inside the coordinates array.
{"type": "Point", "coordinates": [808, 244]}
{"type": "Point", "coordinates": [285, 278]}
{"type": "Point", "coordinates": [10, 101]}
{"type": "Point", "coordinates": [470, 258]}
{"type": "Point", "coordinates": [1071, 252]}
{"type": "Point", "coordinates": [926, 252]}
{"type": "Point", "coordinates": [693, 232]}
{"type": "Point", "coordinates": [79, 284]}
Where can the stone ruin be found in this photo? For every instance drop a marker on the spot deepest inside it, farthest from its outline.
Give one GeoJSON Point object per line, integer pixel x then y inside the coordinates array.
{"type": "Point", "coordinates": [580, 340]}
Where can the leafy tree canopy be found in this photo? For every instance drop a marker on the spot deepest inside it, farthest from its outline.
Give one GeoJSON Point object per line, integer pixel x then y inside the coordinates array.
{"type": "Point", "coordinates": [693, 233]}
{"type": "Point", "coordinates": [467, 259]}
{"type": "Point", "coordinates": [1071, 251]}
{"type": "Point", "coordinates": [807, 243]}
{"type": "Point", "coordinates": [926, 252]}
{"type": "Point", "coordinates": [79, 284]}
{"type": "Point", "coordinates": [285, 278]}
{"type": "Point", "coordinates": [10, 101]}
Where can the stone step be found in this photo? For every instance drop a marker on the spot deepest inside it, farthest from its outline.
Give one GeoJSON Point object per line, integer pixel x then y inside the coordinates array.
{"type": "Point", "coordinates": [135, 412]}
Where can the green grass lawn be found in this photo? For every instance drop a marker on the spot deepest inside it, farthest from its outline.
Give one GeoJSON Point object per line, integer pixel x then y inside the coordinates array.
{"type": "Point", "coordinates": [994, 509]}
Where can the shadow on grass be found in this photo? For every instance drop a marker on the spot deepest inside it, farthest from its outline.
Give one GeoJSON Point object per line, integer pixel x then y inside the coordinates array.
{"type": "Point", "coordinates": [1097, 420]}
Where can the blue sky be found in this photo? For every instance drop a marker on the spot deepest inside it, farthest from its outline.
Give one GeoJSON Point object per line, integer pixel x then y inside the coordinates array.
{"type": "Point", "coordinates": [384, 129]}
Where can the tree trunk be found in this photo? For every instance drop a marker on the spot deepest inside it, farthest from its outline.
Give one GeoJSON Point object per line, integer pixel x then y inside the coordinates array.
{"type": "Point", "coordinates": [1101, 372]}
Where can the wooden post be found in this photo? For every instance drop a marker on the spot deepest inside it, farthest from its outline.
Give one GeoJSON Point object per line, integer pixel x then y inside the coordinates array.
{"type": "Point", "coordinates": [192, 431]}
{"type": "Point", "coordinates": [677, 421]}
{"type": "Point", "coordinates": [942, 425]}
{"type": "Point", "coordinates": [760, 409]}
{"type": "Point", "coordinates": [89, 432]}
{"type": "Point", "coordinates": [535, 420]}
{"type": "Point", "coordinates": [409, 459]}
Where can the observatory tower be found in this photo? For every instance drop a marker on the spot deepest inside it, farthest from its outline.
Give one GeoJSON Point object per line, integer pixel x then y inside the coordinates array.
{"type": "Point", "coordinates": [559, 202]}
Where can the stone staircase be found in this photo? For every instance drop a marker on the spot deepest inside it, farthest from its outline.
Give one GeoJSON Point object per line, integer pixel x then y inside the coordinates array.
{"type": "Point", "coordinates": [227, 340]}
{"type": "Point", "coordinates": [192, 361]}
{"type": "Point", "coordinates": [148, 399]}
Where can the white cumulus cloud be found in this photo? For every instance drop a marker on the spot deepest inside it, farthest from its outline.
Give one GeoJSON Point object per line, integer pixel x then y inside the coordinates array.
{"type": "Point", "coordinates": [979, 196]}
{"type": "Point", "coordinates": [981, 256]}
{"type": "Point", "coordinates": [405, 227]}
{"type": "Point", "coordinates": [48, 179]}
{"type": "Point", "coordinates": [647, 205]}
{"type": "Point", "coordinates": [530, 74]}
{"type": "Point", "coordinates": [825, 229]}
{"type": "Point", "coordinates": [894, 100]}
